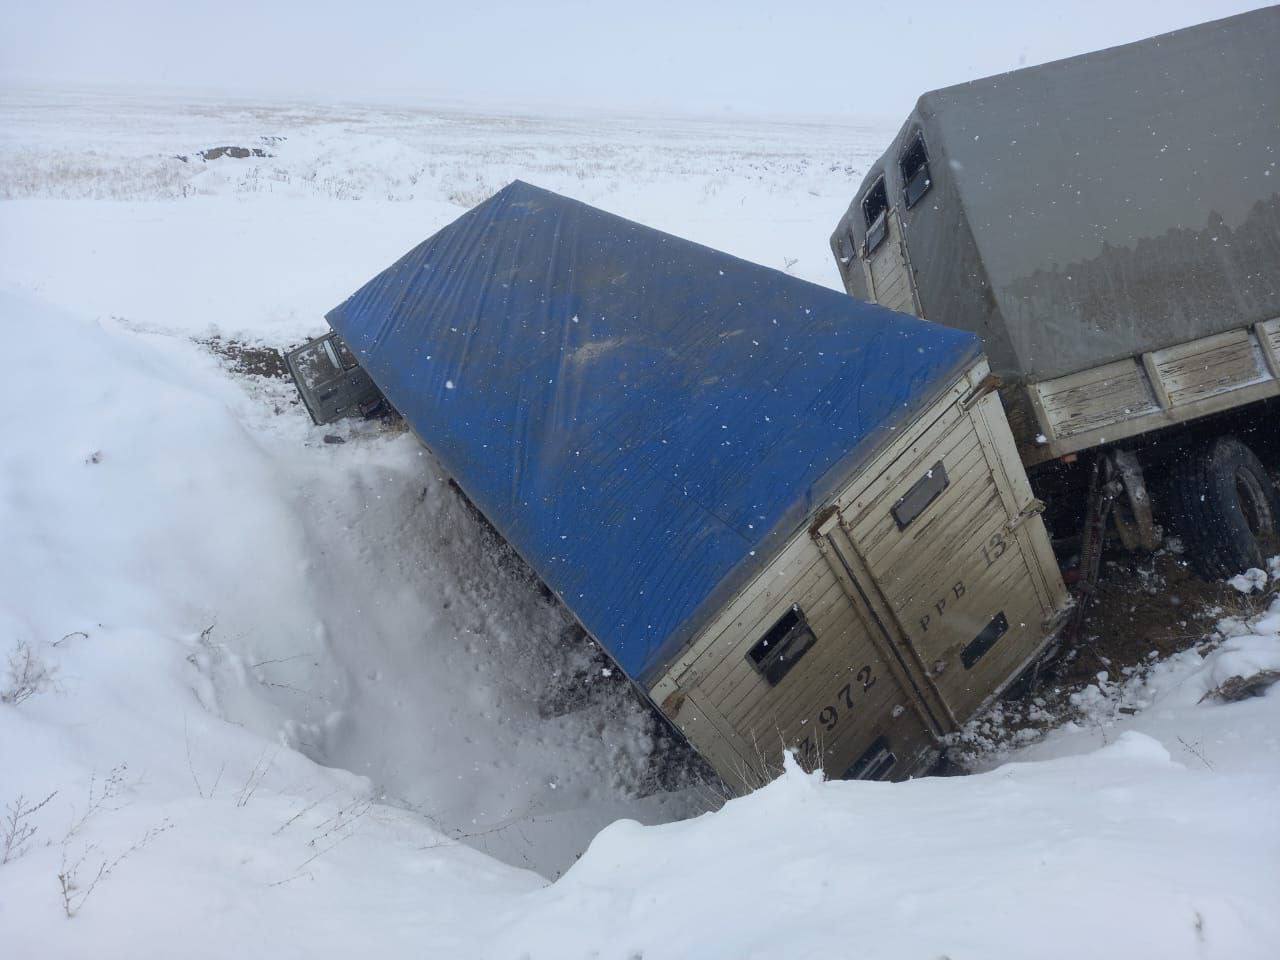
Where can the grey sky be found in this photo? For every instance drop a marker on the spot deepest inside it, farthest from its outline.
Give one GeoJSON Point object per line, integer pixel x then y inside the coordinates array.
{"type": "Point", "coordinates": [752, 56]}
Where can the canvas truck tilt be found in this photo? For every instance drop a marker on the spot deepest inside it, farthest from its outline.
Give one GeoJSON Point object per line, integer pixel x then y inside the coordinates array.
{"type": "Point", "coordinates": [795, 520]}
{"type": "Point", "coordinates": [1109, 224]}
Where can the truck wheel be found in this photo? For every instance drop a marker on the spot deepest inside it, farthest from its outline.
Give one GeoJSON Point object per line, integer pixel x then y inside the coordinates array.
{"type": "Point", "coordinates": [1225, 507]}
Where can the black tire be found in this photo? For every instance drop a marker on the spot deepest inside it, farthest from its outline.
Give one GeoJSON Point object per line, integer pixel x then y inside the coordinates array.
{"type": "Point", "coordinates": [1225, 508]}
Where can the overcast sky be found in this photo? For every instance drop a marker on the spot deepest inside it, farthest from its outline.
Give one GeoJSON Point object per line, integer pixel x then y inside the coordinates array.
{"type": "Point", "coordinates": [751, 56]}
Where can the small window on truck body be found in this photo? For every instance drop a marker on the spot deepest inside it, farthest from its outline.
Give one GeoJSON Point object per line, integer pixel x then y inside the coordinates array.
{"type": "Point", "coordinates": [318, 363]}
{"type": "Point", "coordinates": [781, 648]}
{"type": "Point", "coordinates": [874, 764]}
{"type": "Point", "coordinates": [914, 165]}
{"type": "Point", "coordinates": [921, 494]}
{"type": "Point", "coordinates": [875, 216]}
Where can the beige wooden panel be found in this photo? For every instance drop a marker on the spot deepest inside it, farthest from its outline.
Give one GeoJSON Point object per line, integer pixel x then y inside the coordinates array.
{"type": "Point", "coordinates": [770, 603]}
{"type": "Point", "coordinates": [921, 573]}
{"type": "Point", "coordinates": [1231, 400]}
{"type": "Point", "coordinates": [752, 689]}
{"type": "Point", "coordinates": [822, 690]}
{"type": "Point", "coordinates": [994, 429]}
{"type": "Point", "coordinates": [961, 544]}
{"type": "Point", "coordinates": [895, 294]}
{"type": "Point", "coordinates": [796, 559]}
{"type": "Point", "coordinates": [997, 435]}
{"type": "Point", "coordinates": [735, 674]}
{"type": "Point", "coordinates": [1209, 366]}
{"type": "Point", "coordinates": [957, 448]}
{"type": "Point", "coordinates": [970, 556]}
{"type": "Point", "coordinates": [1269, 339]}
{"type": "Point", "coordinates": [911, 461]}
{"type": "Point", "coordinates": [1268, 334]}
{"type": "Point", "coordinates": [882, 624]}
{"type": "Point", "coordinates": [883, 543]}
{"type": "Point", "coordinates": [738, 678]}
{"type": "Point", "coordinates": [1095, 398]}
{"type": "Point", "coordinates": [864, 488]}
{"type": "Point", "coordinates": [795, 697]}
{"type": "Point", "coordinates": [827, 702]}
{"type": "Point", "coordinates": [1133, 396]}
{"type": "Point", "coordinates": [945, 604]}
{"type": "Point", "coordinates": [905, 578]}
{"type": "Point", "coordinates": [847, 649]}
{"type": "Point", "coordinates": [887, 267]}
{"type": "Point", "coordinates": [713, 738]}
{"type": "Point", "coordinates": [890, 276]}
{"type": "Point", "coordinates": [908, 578]}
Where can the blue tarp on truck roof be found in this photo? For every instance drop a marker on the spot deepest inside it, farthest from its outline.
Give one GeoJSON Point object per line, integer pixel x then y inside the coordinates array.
{"type": "Point", "coordinates": [645, 419]}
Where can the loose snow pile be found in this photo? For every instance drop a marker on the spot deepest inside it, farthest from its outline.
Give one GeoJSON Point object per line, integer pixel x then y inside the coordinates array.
{"type": "Point", "coordinates": [271, 696]}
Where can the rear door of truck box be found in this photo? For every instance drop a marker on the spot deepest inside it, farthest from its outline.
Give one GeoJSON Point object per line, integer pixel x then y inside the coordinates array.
{"type": "Point", "coordinates": [948, 541]}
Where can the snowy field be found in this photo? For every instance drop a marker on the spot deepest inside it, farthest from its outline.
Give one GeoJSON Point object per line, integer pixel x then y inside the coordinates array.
{"type": "Point", "coordinates": [271, 696]}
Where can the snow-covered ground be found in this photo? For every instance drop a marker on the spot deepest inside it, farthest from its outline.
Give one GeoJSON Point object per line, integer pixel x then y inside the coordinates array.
{"type": "Point", "coordinates": [272, 696]}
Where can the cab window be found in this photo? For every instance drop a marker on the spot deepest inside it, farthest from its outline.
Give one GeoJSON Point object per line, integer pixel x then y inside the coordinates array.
{"type": "Point", "coordinates": [915, 171]}
{"type": "Point", "coordinates": [875, 216]}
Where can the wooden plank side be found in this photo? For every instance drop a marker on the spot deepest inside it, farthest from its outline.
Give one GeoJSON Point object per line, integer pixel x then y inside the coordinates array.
{"type": "Point", "coordinates": [888, 271]}
{"type": "Point", "coordinates": [751, 687]}
{"type": "Point", "coordinates": [884, 542]}
{"type": "Point", "coordinates": [1180, 383]}
{"type": "Point", "coordinates": [911, 461]}
{"type": "Point", "coordinates": [1268, 334]}
{"type": "Point", "coordinates": [1095, 398]}
{"type": "Point", "coordinates": [911, 574]}
{"type": "Point", "coordinates": [1209, 366]}
{"type": "Point", "coordinates": [762, 610]}
{"type": "Point", "coordinates": [829, 688]}
{"type": "Point", "coordinates": [1031, 534]}
{"type": "Point", "coordinates": [896, 295]}
{"type": "Point", "coordinates": [973, 558]}
{"type": "Point", "coordinates": [710, 735]}
{"type": "Point", "coordinates": [955, 448]}
{"type": "Point", "coordinates": [735, 675]}
{"type": "Point", "coordinates": [892, 280]}
{"type": "Point", "coordinates": [1131, 428]}
{"type": "Point", "coordinates": [832, 682]}
{"type": "Point", "coordinates": [787, 703]}
{"type": "Point", "coordinates": [886, 548]}
{"type": "Point", "coordinates": [880, 623]}
{"type": "Point", "coordinates": [915, 585]}
{"type": "Point", "coordinates": [793, 562]}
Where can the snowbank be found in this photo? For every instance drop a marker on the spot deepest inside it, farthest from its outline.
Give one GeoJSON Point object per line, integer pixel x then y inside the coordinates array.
{"type": "Point", "coordinates": [1125, 852]}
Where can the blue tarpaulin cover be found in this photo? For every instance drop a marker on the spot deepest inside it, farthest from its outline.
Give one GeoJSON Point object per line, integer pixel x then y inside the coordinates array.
{"type": "Point", "coordinates": [645, 419]}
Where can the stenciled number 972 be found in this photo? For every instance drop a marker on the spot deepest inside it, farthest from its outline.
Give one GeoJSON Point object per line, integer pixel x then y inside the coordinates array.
{"type": "Point", "coordinates": [829, 716]}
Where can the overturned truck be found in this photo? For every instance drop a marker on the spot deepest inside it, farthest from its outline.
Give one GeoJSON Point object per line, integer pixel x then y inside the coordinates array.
{"type": "Point", "coordinates": [1109, 225]}
{"type": "Point", "coordinates": [793, 519]}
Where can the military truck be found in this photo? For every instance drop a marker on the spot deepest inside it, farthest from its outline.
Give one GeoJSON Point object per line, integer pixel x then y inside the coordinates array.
{"type": "Point", "coordinates": [792, 519]}
{"type": "Point", "coordinates": [1109, 225]}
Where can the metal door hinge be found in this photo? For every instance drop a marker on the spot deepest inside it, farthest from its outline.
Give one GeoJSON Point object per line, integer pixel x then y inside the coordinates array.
{"type": "Point", "coordinates": [1032, 509]}
{"type": "Point", "coordinates": [984, 386]}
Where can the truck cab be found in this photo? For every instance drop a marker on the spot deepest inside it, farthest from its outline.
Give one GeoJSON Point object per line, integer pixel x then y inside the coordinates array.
{"type": "Point", "coordinates": [330, 382]}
